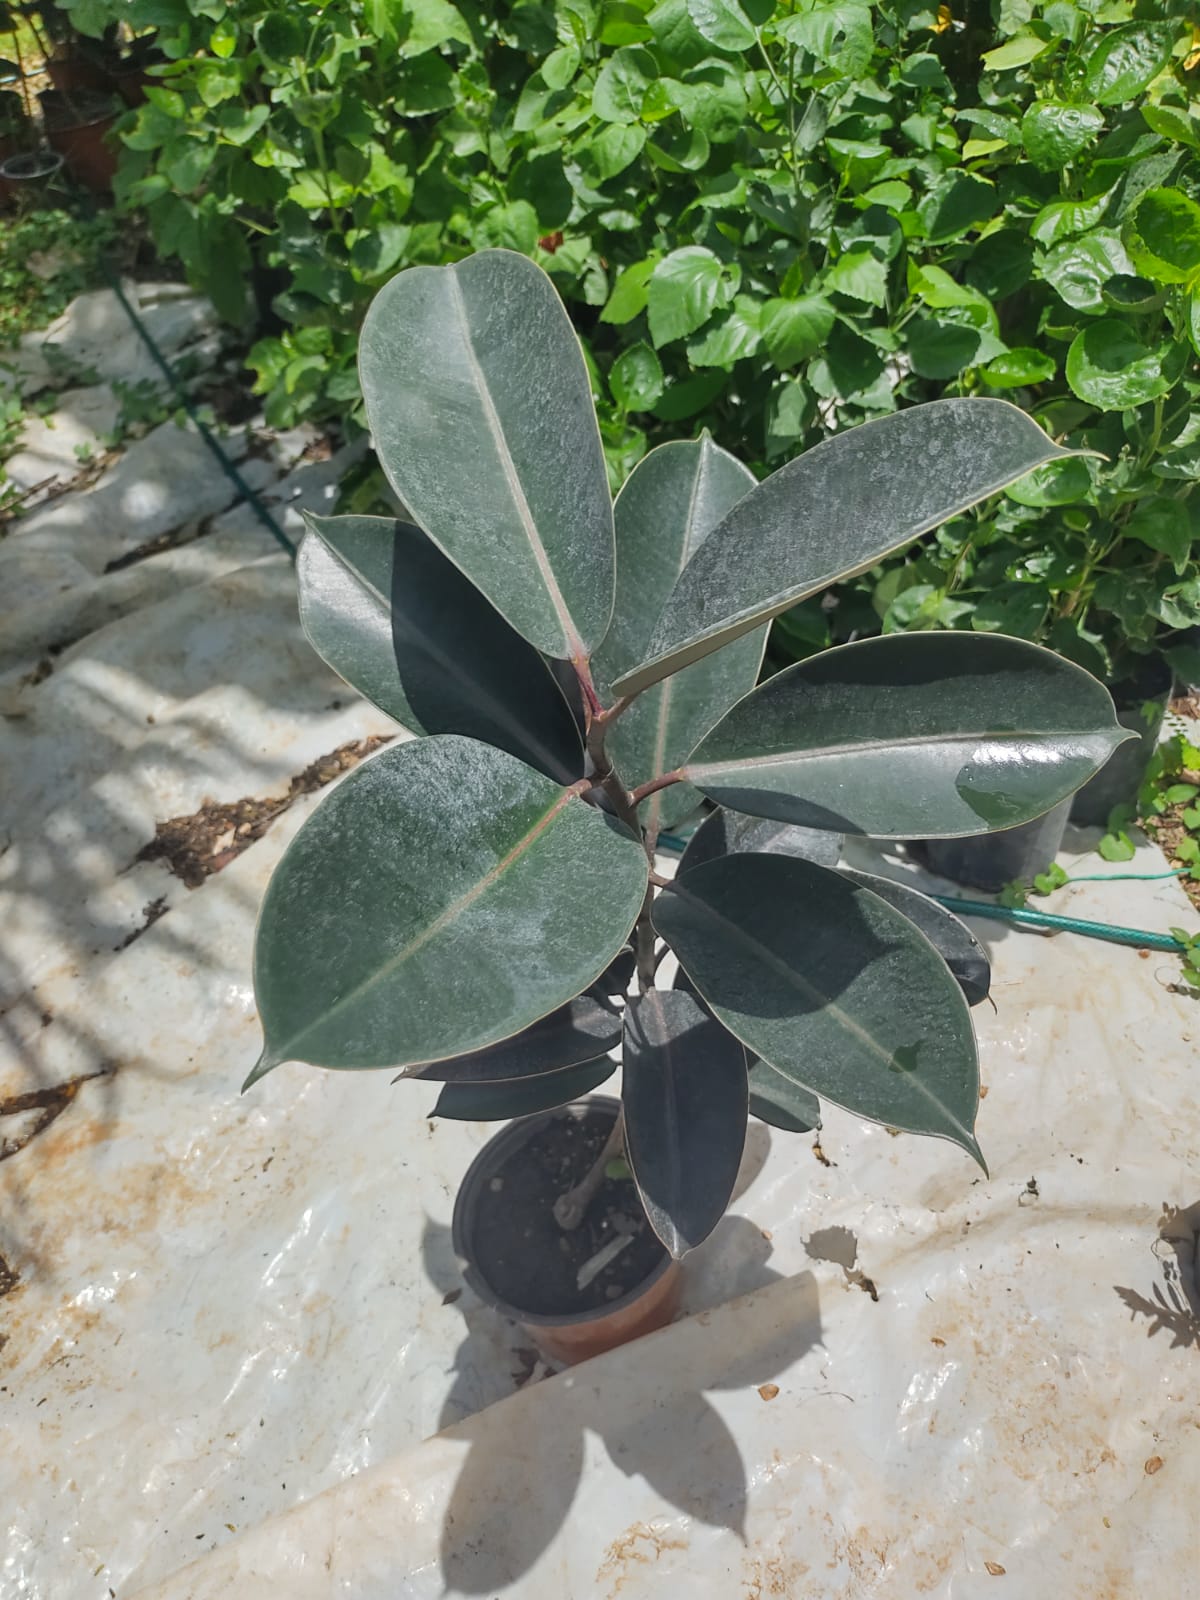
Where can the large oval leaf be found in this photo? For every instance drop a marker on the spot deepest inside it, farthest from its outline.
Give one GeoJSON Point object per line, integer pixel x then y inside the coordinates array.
{"type": "Point", "coordinates": [382, 605]}
{"type": "Point", "coordinates": [920, 735]}
{"type": "Point", "coordinates": [727, 833]}
{"type": "Point", "coordinates": [949, 935]}
{"type": "Point", "coordinates": [671, 502]}
{"type": "Point", "coordinates": [479, 402]}
{"type": "Point", "coordinates": [500, 1102]}
{"type": "Point", "coordinates": [832, 987]}
{"type": "Point", "coordinates": [836, 511]}
{"type": "Point", "coordinates": [431, 906]}
{"type": "Point", "coordinates": [685, 1094]}
{"type": "Point", "coordinates": [579, 1031]}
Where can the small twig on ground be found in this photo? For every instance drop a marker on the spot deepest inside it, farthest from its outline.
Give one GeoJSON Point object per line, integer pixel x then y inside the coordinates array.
{"type": "Point", "coordinates": [593, 1268]}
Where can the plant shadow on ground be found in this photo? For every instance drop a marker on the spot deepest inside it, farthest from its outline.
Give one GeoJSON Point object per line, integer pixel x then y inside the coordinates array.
{"type": "Point", "coordinates": [518, 1483]}
{"type": "Point", "coordinates": [1173, 1305]}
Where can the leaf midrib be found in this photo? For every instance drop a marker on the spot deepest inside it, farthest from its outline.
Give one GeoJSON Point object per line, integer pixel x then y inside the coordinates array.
{"type": "Point", "coordinates": [444, 918]}
{"type": "Point", "coordinates": [708, 769]}
{"type": "Point", "coordinates": [813, 994]}
{"type": "Point", "coordinates": [574, 644]}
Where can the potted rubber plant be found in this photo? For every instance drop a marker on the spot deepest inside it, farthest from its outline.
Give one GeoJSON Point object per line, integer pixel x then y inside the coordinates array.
{"type": "Point", "coordinates": [480, 907]}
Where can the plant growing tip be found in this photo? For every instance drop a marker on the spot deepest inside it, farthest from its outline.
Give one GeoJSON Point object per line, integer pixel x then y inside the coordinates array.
{"type": "Point", "coordinates": [478, 904]}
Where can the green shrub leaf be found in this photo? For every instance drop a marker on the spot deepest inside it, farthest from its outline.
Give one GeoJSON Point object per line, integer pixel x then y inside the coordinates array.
{"type": "Point", "coordinates": [1110, 367]}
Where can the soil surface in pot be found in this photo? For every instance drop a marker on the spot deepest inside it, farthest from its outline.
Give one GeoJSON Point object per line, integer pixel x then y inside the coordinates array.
{"type": "Point", "coordinates": [527, 1258]}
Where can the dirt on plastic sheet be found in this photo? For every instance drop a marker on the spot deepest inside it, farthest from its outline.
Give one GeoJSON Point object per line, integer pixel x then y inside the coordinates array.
{"type": "Point", "coordinates": [196, 846]}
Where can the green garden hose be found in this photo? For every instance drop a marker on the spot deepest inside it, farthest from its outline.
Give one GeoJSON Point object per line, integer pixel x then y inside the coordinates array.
{"type": "Point", "coordinates": [1139, 938]}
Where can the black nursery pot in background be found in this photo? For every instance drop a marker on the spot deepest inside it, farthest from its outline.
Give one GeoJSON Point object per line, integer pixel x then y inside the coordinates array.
{"type": "Point", "coordinates": [990, 860]}
{"type": "Point", "coordinates": [1141, 702]}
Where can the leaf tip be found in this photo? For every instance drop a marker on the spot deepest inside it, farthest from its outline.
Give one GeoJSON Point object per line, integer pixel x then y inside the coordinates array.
{"type": "Point", "coordinates": [265, 1063]}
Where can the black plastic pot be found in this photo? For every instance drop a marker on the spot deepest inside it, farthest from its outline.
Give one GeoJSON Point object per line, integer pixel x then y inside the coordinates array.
{"type": "Point", "coordinates": [650, 1304]}
{"type": "Point", "coordinates": [1118, 781]}
{"type": "Point", "coordinates": [990, 860]}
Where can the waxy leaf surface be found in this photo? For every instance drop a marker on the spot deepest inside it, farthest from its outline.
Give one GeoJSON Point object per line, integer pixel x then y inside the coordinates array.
{"type": "Point", "coordinates": [830, 986]}
{"type": "Point", "coordinates": [836, 511]}
{"type": "Point", "coordinates": [382, 605]}
{"type": "Point", "coordinates": [478, 399]}
{"type": "Point", "coordinates": [921, 735]}
{"type": "Point", "coordinates": [433, 904]}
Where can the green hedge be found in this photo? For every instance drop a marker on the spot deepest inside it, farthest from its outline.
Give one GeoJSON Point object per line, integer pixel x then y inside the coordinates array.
{"type": "Point", "coordinates": [768, 220]}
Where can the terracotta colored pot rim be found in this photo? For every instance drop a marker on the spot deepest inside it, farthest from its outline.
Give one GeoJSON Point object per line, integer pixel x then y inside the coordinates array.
{"type": "Point", "coordinates": [493, 1153]}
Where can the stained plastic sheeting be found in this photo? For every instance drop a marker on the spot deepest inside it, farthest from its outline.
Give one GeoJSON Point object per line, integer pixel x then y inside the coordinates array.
{"type": "Point", "coordinates": [918, 1380]}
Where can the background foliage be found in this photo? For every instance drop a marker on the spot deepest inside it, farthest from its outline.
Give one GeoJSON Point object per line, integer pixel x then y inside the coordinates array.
{"type": "Point", "coordinates": [767, 220]}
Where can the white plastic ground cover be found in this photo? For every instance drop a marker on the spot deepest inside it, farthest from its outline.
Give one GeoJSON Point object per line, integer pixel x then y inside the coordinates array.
{"type": "Point", "coordinates": [932, 1383]}
{"type": "Point", "coordinates": [229, 1326]}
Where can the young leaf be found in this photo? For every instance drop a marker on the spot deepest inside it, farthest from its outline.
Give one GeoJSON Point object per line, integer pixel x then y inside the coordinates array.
{"type": "Point", "coordinates": [479, 401]}
{"type": "Point", "coordinates": [950, 937]}
{"type": "Point", "coordinates": [670, 504]}
{"type": "Point", "coordinates": [921, 735]}
{"type": "Point", "coordinates": [685, 1095]}
{"type": "Point", "coordinates": [1124, 60]}
{"type": "Point", "coordinates": [835, 512]}
{"type": "Point", "coordinates": [500, 1102]}
{"type": "Point", "coordinates": [431, 906]}
{"type": "Point", "coordinates": [382, 605]}
{"type": "Point", "coordinates": [832, 987]}
{"type": "Point", "coordinates": [579, 1031]}
{"type": "Point", "coordinates": [728, 833]}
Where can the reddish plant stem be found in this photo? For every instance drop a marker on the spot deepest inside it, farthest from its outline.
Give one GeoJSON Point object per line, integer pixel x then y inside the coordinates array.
{"type": "Point", "coordinates": [644, 790]}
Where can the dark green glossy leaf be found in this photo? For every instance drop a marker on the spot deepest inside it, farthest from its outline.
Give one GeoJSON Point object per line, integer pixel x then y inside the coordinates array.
{"type": "Point", "coordinates": [1163, 525]}
{"type": "Point", "coordinates": [481, 408]}
{"type": "Point", "coordinates": [1079, 268]}
{"type": "Point", "coordinates": [386, 610]}
{"type": "Point", "coordinates": [579, 1031]}
{"type": "Point", "coordinates": [1054, 132]}
{"type": "Point", "coordinates": [1059, 484]}
{"type": "Point", "coordinates": [1110, 367]}
{"type": "Point", "coordinates": [727, 833]}
{"type": "Point", "coordinates": [1162, 235]}
{"type": "Point", "coordinates": [923, 735]}
{"type": "Point", "coordinates": [501, 1102]}
{"type": "Point", "coordinates": [776, 1099]}
{"type": "Point", "coordinates": [837, 511]}
{"type": "Point", "coordinates": [1125, 59]}
{"type": "Point", "coordinates": [685, 1095]}
{"type": "Point", "coordinates": [949, 935]}
{"type": "Point", "coordinates": [670, 504]}
{"type": "Point", "coordinates": [833, 987]}
{"type": "Point", "coordinates": [431, 906]}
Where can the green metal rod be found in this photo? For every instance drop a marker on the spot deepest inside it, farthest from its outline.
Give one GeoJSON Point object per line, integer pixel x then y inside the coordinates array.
{"type": "Point", "coordinates": [1046, 919]}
